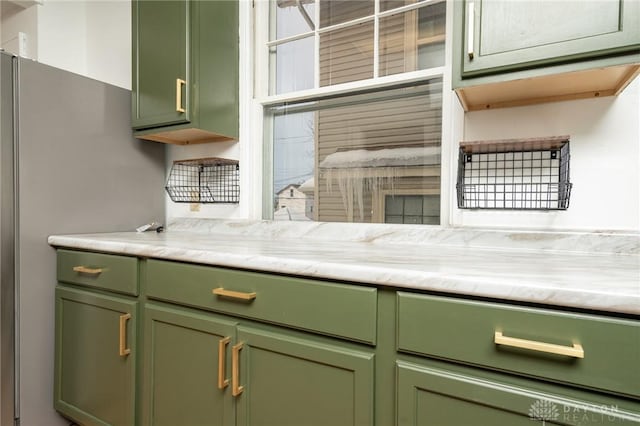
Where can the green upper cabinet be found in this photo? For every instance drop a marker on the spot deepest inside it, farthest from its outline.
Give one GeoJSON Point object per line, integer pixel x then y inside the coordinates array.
{"type": "Point", "coordinates": [161, 63]}
{"type": "Point", "coordinates": [564, 50]}
{"type": "Point", "coordinates": [508, 35]}
{"type": "Point", "coordinates": [185, 71]}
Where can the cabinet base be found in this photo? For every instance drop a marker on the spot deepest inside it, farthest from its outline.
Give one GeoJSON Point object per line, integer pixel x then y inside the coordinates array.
{"type": "Point", "coordinates": [593, 83]}
{"type": "Point", "coordinates": [185, 137]}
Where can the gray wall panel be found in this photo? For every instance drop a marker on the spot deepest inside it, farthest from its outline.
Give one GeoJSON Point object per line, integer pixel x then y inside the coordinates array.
{"type": "Point", "coordinates": [80, 170]}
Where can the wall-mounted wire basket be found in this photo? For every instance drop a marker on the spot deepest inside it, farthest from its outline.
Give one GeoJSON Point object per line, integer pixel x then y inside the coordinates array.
{"type": "Point", "coordinates": [204, 180]}
{"type": "Point", "coordinates": [518, 174]}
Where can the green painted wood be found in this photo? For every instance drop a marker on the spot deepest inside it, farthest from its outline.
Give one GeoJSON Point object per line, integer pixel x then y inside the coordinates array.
{"type": "Point", "coordinates": [217, 64]}
{"type": "Point", "coordinates": [511, 36]}
{"type": "Point", "coordinates": [330, 308]}
{"type": "Point", "coordinates": [94, 385]}
{"type": "Point", "coordinates": [160, 50]}
{"type": "Point", "coordinates": [119, 273]}
{"type": "Point", "coordinates": [463, 330]}
{"type": "Point", "coordinates": [290, 381]}
{"type": "Point", "coordinates": [196, 41]}
{"type": "Point", "coordinates": [385, 379]}
{"type": "Point", "coordinates": [181, 368]}
{"type": "Point", "coordinates": [430, 396]}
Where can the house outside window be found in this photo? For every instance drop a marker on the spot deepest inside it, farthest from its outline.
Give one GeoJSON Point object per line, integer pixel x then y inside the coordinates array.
{"type": "Point", "coordinates": [353, 110]}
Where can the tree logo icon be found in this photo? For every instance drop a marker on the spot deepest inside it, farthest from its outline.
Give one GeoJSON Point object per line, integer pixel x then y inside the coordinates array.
{"type": "Point", "coordinates": [544, 410]}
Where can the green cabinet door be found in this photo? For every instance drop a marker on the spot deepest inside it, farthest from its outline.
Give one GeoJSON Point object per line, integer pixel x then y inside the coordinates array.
{"type": "Point", "coordinates": [506, 35]}
{"type": "Point", "coordinates": [185, 70]}
{"type": "Point", "coordinates": [187, 368]}
{"type": "Point", "coordinates": [160, 63]}
{"type": "Point", "coordinates": [291, 381]}
{"type": "Point", "coordinates": [434, 396]}
{"type": "Point", "coordinates": [95, 348]}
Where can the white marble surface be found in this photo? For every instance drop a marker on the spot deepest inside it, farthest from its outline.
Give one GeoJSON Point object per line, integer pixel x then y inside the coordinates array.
{"type": "Point", "coordinates": [599, 271]}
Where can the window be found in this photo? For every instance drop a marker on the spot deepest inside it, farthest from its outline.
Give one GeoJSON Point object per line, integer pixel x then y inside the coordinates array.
{"type": "Point", "coordinates": [414, 209]}
{"type": "Point", "coordinates": [353, 108]}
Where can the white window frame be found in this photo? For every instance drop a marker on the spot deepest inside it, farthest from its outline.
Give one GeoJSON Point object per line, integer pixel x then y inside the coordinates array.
{"type": "Point", "coordinates": [452, 113]}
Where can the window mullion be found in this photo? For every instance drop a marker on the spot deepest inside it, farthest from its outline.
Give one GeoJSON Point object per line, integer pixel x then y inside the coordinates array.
{"type": "Point", "coordinates": [376, 38]}
{"type": "Point", "coordinates": [290, 39]}
{"type": "Point", "coordinates": [316, 47]}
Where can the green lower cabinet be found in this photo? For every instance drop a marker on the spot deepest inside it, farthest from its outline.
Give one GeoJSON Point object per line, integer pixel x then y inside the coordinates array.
{"type": "Point", "coordinates": [95, 347]}
{"type": "Point", "coordinates": [292, 381]}
{"type": "Point", "coordinates": [442, 397]}
{"type": "Point", "coordinates": [183, 383]}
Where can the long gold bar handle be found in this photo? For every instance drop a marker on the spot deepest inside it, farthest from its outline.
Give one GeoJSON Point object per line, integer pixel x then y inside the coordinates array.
{"type": "Point", "coordinates": [574, 351]}
{"type": "Point", "coordinates": [84, 270]}
{"type": "Point", "coordinates": [222, 349]}
{"type": "Point", "coordinates": [236, 389]}
{"type": "Point", "coordinates": [179, 84]}
{"type": "Point", "coordinates": [124, 351]}
{"type": "Point", "coordinates": [234, 294]}
{"type": "Point", "coordinates": [470, 29]}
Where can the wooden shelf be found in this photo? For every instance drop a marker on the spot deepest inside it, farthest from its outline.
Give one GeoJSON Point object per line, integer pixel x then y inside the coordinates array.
{"type": "Point", "coordinates": [514, 145]}
{"type": "Point", "coordinates": [592, 83]}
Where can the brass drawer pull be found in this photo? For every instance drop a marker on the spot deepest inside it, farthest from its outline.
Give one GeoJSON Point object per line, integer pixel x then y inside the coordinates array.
{"type": "Point", "coordinates": [234, 294]}
{"type": "Point", "coordinates": [574, 351]}
{"type": "Point", "coordinates": [236, 389]}
{"type": "Point", "coordinates": [179, 84]}
{"type": "Point", "coordinates": [124, 351]}
{"type": "Point", "coordinates": [222, 349]}
{"type": "Point", "coordinates": [85, 270]}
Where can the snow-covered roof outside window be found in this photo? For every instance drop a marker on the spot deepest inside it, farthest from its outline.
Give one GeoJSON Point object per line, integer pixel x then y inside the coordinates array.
{"type": "Point", "coordinates": [360, 170]}
{"type": "Point", "coordinates": [386, 157]}
{"type": "Point", "coordinates": [308, 185]}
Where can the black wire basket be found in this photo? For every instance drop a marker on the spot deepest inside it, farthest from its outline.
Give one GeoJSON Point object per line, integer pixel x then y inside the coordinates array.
{"type": "Point", "coordinates": [204, 180]}
{"type": "Point", "coordinates": [516, 174]}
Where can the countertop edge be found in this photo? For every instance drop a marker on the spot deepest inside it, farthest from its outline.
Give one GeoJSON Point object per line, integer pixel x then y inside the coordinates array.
{"type": "Point", "coordinates": [548, 295]}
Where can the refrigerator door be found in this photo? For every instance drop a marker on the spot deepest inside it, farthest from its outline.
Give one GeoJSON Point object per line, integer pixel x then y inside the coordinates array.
{"type": "Point", "coordinates": [7, 241]}
{"type": "Point", "coordinates": [79, 170]}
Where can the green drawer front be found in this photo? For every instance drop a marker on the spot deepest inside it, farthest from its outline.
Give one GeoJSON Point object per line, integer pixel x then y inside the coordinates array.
{"type": "Point", "coordinates": [104, 271]}
{"type": "Point", "coordinates": [334, 309]}
{"type": "Point", "coordinates": [465, 331]}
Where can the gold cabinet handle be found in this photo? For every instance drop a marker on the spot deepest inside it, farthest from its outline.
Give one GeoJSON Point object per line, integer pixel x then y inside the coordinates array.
{"type": "Point", "coordinates": [222, 349]}
{"type": "Point", "coordinates": [234, 294]}
{"type": "Point", "coordinates": [85, 270]}
{"type": "Point", "coordinates": [574, 351]}
{"type": "Point", "coordinates": [470, 29]}
{"type": "Point", "coordinates": [179, 84]}
{"type": "Point", "coordinates": [236, 389]}
{"type": "Point", "coordinates": [124, 351]}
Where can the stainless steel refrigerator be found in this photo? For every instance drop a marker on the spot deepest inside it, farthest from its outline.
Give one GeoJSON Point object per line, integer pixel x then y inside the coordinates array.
{"type": "Point", "coordinates": [68, 164]}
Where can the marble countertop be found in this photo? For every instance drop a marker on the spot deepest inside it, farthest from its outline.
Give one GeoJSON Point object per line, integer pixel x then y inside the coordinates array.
{"type": "Point", "coordinates": [595, 271]}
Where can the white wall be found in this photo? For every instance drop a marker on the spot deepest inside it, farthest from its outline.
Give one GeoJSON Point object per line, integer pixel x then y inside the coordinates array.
{"type": "Point", "coordinates": [604, 162]}
{"type": "Point", "coordinates": [93, 38]}
{"type": "Point", "coordinates": [605, 158]}
{"type": "Point", "coordinates": [108, 35]}
{"type": "Point", "coordinates": [15, 20]}
{"type": "Point", "coordinates": [248, 150]}
{"type": "Point", "coordinates": [61, 35]}
{"type": "Point", "coordinates": [87, 37]}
